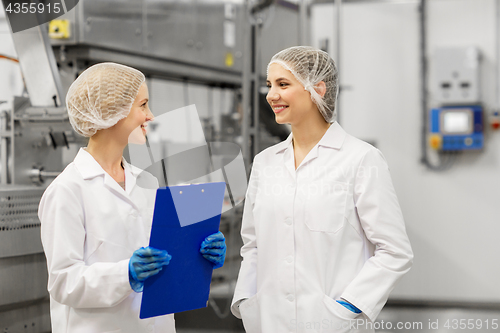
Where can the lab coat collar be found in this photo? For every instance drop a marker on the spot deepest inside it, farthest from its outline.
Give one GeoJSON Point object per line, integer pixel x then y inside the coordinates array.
{"type": "Point", "coordinates": [87, 165]}
{"type": "Point", "coordinates": [134, 171]}
{"type": "Point", "coordinates": [89, 168]}
{"type": "Point", "coordinates": [333, 138]}
{"type": "Point", "coordinates": [284, 145]}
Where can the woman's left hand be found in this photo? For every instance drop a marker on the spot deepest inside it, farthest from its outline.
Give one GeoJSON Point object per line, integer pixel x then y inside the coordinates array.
{"type": "Point", "coordinates": [213, 248]}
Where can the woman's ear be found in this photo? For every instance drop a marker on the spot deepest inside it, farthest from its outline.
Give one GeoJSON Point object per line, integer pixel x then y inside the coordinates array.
{"type": "Point", "coordinates": [320, 88]}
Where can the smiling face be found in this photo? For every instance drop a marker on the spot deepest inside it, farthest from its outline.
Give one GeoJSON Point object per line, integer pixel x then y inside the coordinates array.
{"type": "Point", "coordinates": [136, 122]}
{"type": "Point", "coordinates": [287, 97]}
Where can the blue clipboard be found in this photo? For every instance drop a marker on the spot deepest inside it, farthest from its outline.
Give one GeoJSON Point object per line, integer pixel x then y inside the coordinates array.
{"type": "Point", "coordinates": [184, 215]}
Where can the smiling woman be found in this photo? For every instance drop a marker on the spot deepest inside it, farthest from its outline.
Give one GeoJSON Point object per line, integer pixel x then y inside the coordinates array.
{"type": "Point", "coordinates": [315, 71]}
{"type": "Point", "coordinates": [96, 219]}
{"type": "Point", "coordinates": [324, 241]}
{"type": "Point", "coordinates": [136, 121]}
{"type": "Point", "coordinates": [140, 114]}
{"type": "Point", "coordinates": [291, 103]}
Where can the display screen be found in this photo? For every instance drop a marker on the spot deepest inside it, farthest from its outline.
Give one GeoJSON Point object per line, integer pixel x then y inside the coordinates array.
{"type": "Point", "coordinates": [457, 121]}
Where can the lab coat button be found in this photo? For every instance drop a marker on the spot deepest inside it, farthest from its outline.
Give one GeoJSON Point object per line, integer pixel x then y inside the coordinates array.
{"type": "Point", "coordinates": [289, 259]}
{"type": "Point", "coordinates": [150, 327]}
{"type": "Point", "coordinates": [288, 221]}
{"type": "Point", "coordinates": [290, 298]}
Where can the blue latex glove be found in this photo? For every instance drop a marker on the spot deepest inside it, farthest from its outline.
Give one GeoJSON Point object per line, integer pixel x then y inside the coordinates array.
{"type": "Point", "coordinates": [146, 262]}
{"type": "Point", "coordinates": [213, 248]}
{"type": "Point", "coordinates": [350, 306]}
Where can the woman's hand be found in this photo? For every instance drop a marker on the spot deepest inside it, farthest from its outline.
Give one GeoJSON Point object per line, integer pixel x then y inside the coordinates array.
{"type": "Point", "coordinates": [213, 248]}
{"type": "Point", "coordinates": [146, 262]}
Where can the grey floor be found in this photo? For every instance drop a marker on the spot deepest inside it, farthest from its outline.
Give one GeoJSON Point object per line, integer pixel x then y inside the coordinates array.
{"type": "Point", "coordinates": [398, 319]}
{"type": "Point", "coordinates": [438, 320]}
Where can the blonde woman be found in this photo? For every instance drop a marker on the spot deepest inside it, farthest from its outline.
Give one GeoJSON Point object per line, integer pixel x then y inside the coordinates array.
{"type": "Point", "coordinates": [324, 237]}
{"type": "Point", "coordinates": [96, 219]}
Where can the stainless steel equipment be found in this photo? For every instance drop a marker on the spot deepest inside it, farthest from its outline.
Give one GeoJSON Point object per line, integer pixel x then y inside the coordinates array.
{"type": "Point", "coordinates": [199, 42]}
{"type": "Point", "coordinates": [24, 303]}
{"type": "Point", "coordinates": [195, 40]}
{"type": "Point", "coordinates": [39, 137]}
{"type": "Point", "coordinates": [33, 132]}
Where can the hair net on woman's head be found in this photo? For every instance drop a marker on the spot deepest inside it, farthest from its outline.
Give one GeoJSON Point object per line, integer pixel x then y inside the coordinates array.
{"type": "Point", "coordinates": [101, 96]}
{"type": "Point", "coordinates": [310, 66]}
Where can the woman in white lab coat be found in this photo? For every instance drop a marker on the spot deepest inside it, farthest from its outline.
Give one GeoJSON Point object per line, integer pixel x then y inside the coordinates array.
{"type": "Point", "coordinates": [324, 237]}
{"type": "Point", "coordinates": [96, 215]}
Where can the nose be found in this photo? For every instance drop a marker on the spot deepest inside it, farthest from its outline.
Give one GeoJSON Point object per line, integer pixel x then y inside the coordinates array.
{"type": "Point", "coordinates": [272, 95]}
{"type": "Point", "coordinates": [149, 115]}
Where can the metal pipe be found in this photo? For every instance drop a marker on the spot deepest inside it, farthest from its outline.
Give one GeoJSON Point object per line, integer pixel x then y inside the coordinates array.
{"type": "Point", "coordinates": [423, 81]}
{"type": "Point", "coordinates": [423, 84]}
{"type": "Point", "coordinates": [303, 22]}
{"type": "Point", "coordinates": [251, 78]}
{"type": "Point", "coordinates": [497, 42]}
{"type": "Point", "coordinates": [246, 85]}
{"type": "Point", "coordinates": [256, 86]}
{"type": "Point", "coordinates": [338, 5]}
{"type": "Point", "coordinates": [38, 175]}
{"type": "Point", "coordinates": [3, 148]}
{"type": "Point", "coordinates": [11, 173]}
{"type": "Point", "coordinates": [49, 174]}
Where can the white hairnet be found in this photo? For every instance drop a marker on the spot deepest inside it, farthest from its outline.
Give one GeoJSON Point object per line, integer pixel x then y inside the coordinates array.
{"type": "Point", "coordinates": [310, 66]}
{"type": "Point", "coordinates": [101, 96]}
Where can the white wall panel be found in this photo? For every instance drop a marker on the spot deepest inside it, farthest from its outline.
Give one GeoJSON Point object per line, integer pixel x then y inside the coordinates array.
{"type": "Point", "coordinates": [452, 216]}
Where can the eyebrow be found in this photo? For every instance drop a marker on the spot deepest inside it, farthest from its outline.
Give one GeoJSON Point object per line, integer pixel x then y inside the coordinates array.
{"type": "Point", "coordinates": [279, 79]}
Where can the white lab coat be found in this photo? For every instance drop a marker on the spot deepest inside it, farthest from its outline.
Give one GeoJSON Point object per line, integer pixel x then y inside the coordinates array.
{"type": "Point", "coordinates": [330, 230]}
{"type": "Point", "coordinates": [90, 229]}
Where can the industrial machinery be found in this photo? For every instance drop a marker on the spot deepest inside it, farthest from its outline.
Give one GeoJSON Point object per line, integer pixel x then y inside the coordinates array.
{"type": "Point", "coordinates": [34, 133]}
{"type": "Point", "coordinates": [456, 124]}
{"type": "Point", "coordinates": [456, 128]}
{"type": "Point", "coordinates": [198, 45]}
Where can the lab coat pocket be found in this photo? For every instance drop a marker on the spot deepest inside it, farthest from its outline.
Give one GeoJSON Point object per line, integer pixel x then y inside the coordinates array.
{"type": "Point", "coordinates": [326, 206]}
{"type": "Point", "coordinates": [338, 318]}
{"type": "Point", "coordinates": [250, 314]}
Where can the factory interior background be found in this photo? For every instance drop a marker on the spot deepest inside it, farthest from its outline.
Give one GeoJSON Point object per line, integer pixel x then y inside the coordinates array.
{"type": "Point", "coordinates": [213, 55]}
